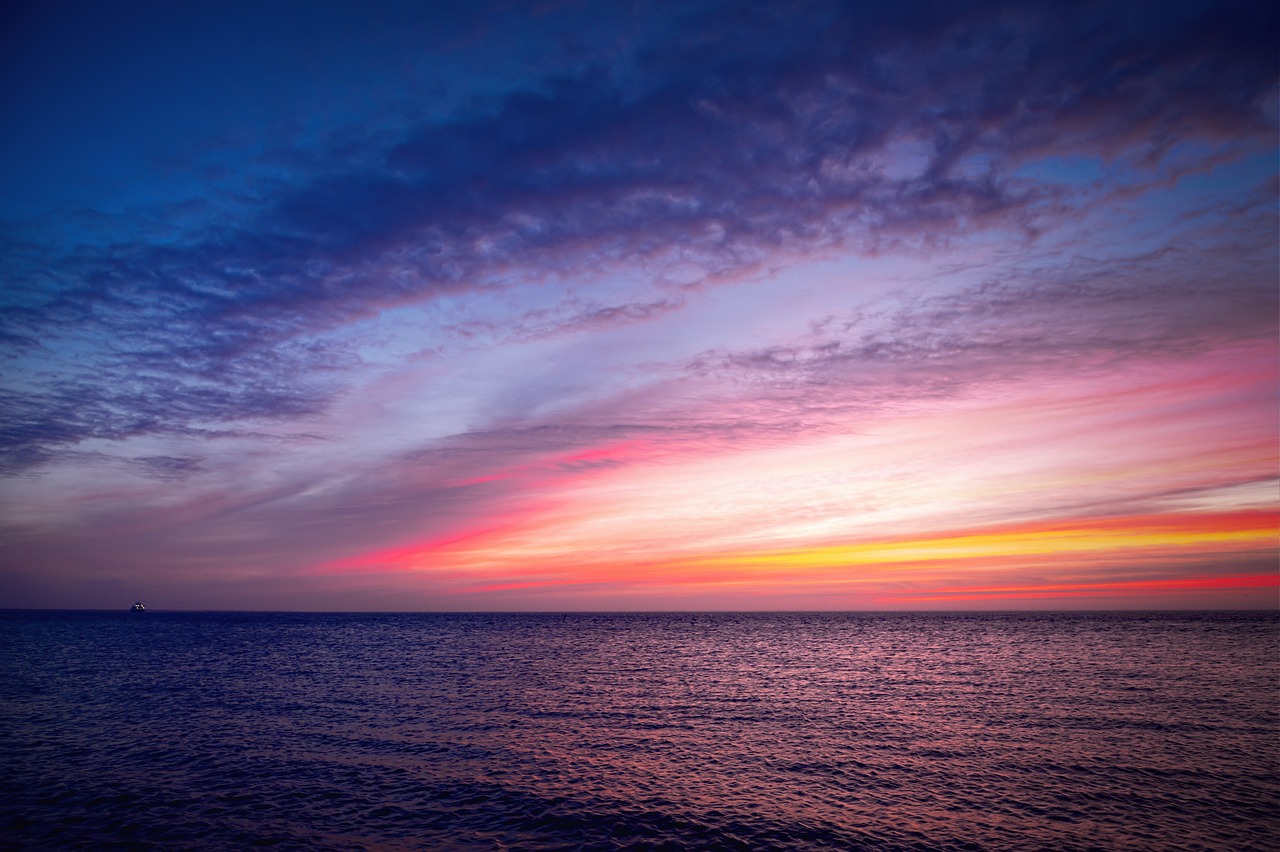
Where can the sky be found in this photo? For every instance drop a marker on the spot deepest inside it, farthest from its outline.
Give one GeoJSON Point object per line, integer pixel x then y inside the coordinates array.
{"type": "Point", "coordinates": [700, 305]}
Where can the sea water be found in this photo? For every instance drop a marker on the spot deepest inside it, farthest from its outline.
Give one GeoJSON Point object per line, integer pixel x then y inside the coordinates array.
{"type": "Point", "coordinates": [662, 731]}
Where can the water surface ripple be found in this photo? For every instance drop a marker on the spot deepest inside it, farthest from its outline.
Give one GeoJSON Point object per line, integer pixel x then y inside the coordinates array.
{"type": "Point", "coordinates": [672, 731]}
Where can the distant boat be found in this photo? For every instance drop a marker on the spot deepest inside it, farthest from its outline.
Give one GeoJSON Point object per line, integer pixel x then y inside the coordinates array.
{"type": "Point", "coordinates": [137, 607]}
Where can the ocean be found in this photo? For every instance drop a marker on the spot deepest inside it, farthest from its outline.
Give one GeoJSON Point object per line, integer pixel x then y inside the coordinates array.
{"type": "Point", "coordinates": [759, 731]}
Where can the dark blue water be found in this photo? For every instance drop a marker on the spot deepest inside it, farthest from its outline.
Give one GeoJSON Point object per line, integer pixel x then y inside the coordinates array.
{"type": "Point", "coordinates": [794, 731]}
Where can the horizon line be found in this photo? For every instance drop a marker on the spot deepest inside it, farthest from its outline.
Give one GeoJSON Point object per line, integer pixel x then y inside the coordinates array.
{"type": "Point", "coordinates": [1275, 610]}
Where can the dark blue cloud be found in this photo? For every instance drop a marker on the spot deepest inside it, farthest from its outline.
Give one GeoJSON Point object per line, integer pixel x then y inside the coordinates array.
{"type": "Point", "coordinates": [731, 132]}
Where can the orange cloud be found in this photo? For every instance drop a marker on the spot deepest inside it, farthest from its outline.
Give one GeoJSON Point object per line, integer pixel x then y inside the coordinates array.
{"type": "Point", "coordinates": [1082, 558]}
{"type": "Point", "coordinates": [1251, 529]}
{"type": "Point", "coordinates": [1084, 590]}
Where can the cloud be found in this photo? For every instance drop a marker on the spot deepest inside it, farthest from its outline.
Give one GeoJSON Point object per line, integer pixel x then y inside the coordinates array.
{"type": "Point", "coordinates": [738, 140]}
{"type": "Point", "coordinates": [1030, 317]}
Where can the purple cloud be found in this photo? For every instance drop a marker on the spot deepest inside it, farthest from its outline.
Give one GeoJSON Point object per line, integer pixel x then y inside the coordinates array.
{"type": "Point", "coordinates": [740, 138]}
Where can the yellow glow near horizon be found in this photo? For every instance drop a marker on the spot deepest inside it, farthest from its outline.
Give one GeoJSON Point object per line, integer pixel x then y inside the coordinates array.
{"type": "Point", "coordinates": [1244, 529]}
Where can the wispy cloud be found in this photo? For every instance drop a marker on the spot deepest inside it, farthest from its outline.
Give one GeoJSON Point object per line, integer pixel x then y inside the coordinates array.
{"type": "Point", "coordinates": [713, 153]}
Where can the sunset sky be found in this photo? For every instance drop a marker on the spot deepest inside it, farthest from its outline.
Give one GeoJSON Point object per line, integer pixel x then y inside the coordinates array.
{"type": "Point", "coordinates": [639, 306]}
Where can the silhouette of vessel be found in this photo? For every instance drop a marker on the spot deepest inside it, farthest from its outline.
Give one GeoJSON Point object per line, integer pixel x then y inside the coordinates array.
{"type": "Point", "coordinates": [137, 607]}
